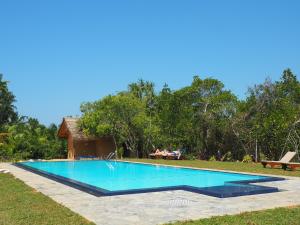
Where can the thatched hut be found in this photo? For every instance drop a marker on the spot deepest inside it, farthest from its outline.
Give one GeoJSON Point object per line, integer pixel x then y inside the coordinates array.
{"type": "Point", "coordinates": [81, 145]}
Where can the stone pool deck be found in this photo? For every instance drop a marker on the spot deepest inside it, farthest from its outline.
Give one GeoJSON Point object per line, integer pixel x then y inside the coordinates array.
{"type": "Point", "coordinates": [157, 207]}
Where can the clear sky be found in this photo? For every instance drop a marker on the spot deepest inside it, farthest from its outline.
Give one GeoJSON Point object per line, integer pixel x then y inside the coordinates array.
{"type": "Point", "coordinates": [59, 53]}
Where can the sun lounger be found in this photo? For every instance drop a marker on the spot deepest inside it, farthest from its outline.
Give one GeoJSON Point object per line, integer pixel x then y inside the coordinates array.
{"type": "Point", "coordinates": [158, 156]}
{"type": "Point", "coordinates": [291, 165]}
{"type": "Point", "coordinates": [155, 156]}
{"type": "Point", "coordinates": [152, 156]}
{"type": "Point", "coordinates": [284, 160]}
{"type": "Point", "coordinates": [166, 155]}
{"type": "Point", "coordinates": [174, 155]}
{"type": "Point", "coordinates": [4, 171]}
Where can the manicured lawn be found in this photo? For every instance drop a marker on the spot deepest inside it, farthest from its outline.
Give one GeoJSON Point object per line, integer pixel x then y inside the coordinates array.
{"type": "Point", "coordinates": [20, 204]}
{"type": "Point", "coordinates": [234, 166]}
{"type": "Point", "coordinates": [279, 216]}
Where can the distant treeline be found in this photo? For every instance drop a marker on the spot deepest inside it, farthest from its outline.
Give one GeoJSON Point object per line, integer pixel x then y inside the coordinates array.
{"type": "Point", "coordinates": [22, 137]}
{"type": "Point", "coordinates": [202, 118]}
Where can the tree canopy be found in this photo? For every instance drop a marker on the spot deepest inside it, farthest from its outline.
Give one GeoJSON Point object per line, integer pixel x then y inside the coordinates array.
{"type": "Point", "coordinates": [7, 108]}
{"type": "Point", "coordinates": [203, 118]}
{"type": "Point", "coordinates": [22, 137]}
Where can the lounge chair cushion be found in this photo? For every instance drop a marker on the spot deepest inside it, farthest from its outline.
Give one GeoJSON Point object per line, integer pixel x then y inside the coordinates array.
{"type": "Point", "coordinates": [285, 159]}
{"type": "Point", "coordinates": [288, 157]}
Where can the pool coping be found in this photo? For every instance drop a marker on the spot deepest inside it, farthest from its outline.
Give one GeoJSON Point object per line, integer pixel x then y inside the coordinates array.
{"type": "Point", "coordinates": [222, 191]}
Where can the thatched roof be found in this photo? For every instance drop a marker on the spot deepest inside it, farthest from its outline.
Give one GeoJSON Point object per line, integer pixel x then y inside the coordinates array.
{"type": "Point", "coordinates": [70, 126]}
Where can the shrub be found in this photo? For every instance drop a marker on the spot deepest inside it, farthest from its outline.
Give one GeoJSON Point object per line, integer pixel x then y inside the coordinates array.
{"type": "Point", "coordinates": [227, 157]}
{"type": "Point", "coordinates": [247, 159]}
{"type": "Point", "coordinates": [189, 156]}
{"type": "Point", "coordinates": [262, 156]}
{"type": "Point", "coordinates": [212, 158]}
{"type": "Point", "coordinates": [120, 152]}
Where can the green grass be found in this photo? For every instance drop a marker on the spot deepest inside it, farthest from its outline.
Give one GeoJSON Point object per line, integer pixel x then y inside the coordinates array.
{"type": "Point", "coordinates": [234, 166]}
{"type": "Point", "coordinates": [20, 204]}
{"type": "Point", "coordinates": [278, 216]}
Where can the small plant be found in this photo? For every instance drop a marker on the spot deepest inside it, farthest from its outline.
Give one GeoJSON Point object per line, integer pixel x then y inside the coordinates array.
{"type": "Point", "coordinates": [189, 156]}
{"type": "Point", "coordinates": [212, 158]}
{"type": "Point", "coordinates": [120, 152]}
{"type": "Point", "coordinates": [227, 157]}
{"type": "Point", "coordinates": [247, 159]}
{"type": "Point", "coordinates": [262, 156]}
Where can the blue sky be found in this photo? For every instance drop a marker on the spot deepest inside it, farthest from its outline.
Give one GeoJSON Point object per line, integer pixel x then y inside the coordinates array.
{"type": "Point", "coordinates": [59, 53]}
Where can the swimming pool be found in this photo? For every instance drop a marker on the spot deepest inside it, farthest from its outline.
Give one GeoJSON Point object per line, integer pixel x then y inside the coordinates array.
{"type": "Point", "coordinates": [100, 177]}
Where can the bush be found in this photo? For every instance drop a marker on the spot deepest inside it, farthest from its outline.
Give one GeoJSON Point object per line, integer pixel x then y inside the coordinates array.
{"type": "Point", "coordinates": [227, 157]}
{"type": "Point", "coordinates": [28, 139]}
{"type": "Point", "coordinates": [120, 152]}
{"type": "Point", "coordinates": [247, 159]}
{"type": "Point", "coordinates": [262, 156]}
{"type": "Point", "coordinates": [189, 156]}
{"type": "Point", "coordinates": [19, 156]}
{"type": "Point", "coordinates": [212, 158]}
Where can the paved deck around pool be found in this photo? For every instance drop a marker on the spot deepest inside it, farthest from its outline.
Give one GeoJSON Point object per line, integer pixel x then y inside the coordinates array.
{"type": "Point", "coordinates": [157, 207]}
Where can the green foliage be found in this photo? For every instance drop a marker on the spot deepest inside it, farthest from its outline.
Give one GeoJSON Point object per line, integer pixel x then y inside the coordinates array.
{"type": "Point", "coordinates": [20, 204]}
{"type": "Point", "coordinates": [277, 216]}
{"type": "Point", "coordinates": [262, 156]}
{"type": "Point", "coordinates": [28, 139]}
{"type": "Point", "coordinates": [247, 159]}
{"type": "Point", "coordinates": [22, 138]}
{"type": "Point", "coordinates": [212, 158]}
{"type": "Point", "coordinates": [196, 116]}
{"type": "Point", "coordinates": [227, 157]}
{"type": "Point", "coordinates": [189, 156]}
{"type": "Point", "coordinates": [122, 116]}
{"type": "Point", "coordinates": [120, 153]}
{"type": "Point", "coordinates": [201, 118]}
{"type": "Point", "coordinates": [7, 109]}
{"type": "Point", "coordinates": [268, 115]}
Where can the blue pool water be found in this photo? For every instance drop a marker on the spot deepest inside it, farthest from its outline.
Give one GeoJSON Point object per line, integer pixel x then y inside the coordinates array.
{"type": "Point", "coordinates": [120, 176]}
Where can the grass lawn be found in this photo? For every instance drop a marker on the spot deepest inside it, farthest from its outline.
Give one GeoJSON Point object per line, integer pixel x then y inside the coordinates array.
{"type": "Point", "coordinates": [234, 166]}
{"type": "Point", "coordinates": [279, 216]}
{"type": "Point", "coordinates": [20, 204]}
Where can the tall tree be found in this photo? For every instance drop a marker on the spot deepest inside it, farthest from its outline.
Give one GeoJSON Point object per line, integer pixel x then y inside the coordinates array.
{"type": "Point", "coordinates": [7, 100]}
{"type": "Point", "coordinates": [267, 115]}
{"type": "Point", "coordinates": [203, 117]}
{"type": "Point", "coordinates": [122, 116]}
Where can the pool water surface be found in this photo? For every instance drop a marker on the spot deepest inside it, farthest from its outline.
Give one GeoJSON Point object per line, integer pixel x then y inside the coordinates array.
{"type": "Point", "coordinates": [115, 177]}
